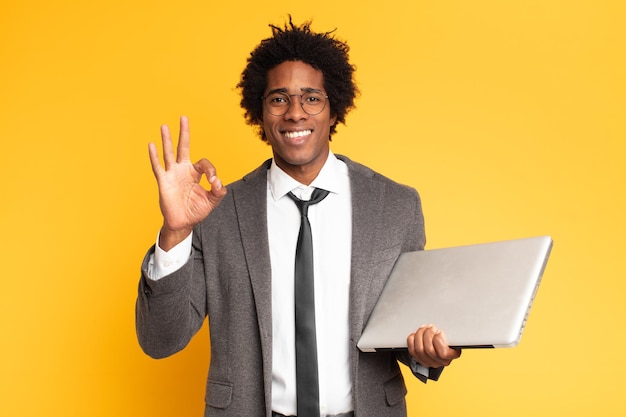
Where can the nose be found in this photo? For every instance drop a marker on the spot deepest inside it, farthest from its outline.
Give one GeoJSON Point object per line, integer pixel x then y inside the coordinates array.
{"type": "Point", "coordinates": [295, 110]}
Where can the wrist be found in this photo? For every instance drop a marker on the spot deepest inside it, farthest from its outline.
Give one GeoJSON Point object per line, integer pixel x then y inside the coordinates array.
{"type": "Point", "coordinates": [168, 238]}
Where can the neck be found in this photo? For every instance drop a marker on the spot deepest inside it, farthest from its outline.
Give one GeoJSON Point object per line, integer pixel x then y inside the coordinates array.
{"type": "Point", "coordinates": [305, 177]}
{"type": "Point", "coordinates": [303, 173]}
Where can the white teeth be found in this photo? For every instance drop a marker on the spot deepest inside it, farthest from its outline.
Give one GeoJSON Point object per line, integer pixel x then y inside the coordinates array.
{"type": "Point", "coordinates": [293, 135]}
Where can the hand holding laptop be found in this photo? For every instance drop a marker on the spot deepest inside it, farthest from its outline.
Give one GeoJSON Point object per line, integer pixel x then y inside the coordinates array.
{"type": "Point", "coordinates": [428, 346]}
{"type": "Point", "coordinates": [480, 294]}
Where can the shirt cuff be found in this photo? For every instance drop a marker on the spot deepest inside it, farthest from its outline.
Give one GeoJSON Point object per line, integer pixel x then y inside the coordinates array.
{"type": "Point", "coordinates": [162, 263]}
{"type": "Point", "coordinates": [419, 369]}
{"type": "Point", "coordinates": [423, 373]}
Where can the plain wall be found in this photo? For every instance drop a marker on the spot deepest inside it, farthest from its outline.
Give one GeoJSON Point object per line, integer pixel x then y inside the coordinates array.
{"type": "Point", "coordinates": [507, 116]}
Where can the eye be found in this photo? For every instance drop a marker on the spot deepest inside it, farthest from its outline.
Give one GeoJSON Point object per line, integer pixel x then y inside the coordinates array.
{"type": "Point", "coordinates": [278, 99]}
{"type": "Point", "coordinates": [313, 98]}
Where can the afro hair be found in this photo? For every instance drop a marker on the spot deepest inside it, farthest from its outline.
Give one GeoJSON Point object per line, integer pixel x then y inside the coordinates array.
{"type": "Point", "coordinates": [298, 43]}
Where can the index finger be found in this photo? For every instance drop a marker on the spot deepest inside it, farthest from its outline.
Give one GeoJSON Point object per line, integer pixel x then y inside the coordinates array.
{"type": "Point", "coordinates": [182, 151]}
{"type": "Point", "coordinates": [444, 351]}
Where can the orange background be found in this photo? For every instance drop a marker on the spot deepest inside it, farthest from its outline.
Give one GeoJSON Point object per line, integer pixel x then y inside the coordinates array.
{"type": "Point", "coordinates": [508, 117]}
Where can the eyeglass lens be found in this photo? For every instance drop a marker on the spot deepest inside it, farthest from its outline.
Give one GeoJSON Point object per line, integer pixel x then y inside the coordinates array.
{"type": "Point", "coordinates": [312, 102]}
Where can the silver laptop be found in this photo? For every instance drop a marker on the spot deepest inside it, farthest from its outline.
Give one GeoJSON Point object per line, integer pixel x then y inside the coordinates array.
{"type": "Point", "coordinates": [479, 295]}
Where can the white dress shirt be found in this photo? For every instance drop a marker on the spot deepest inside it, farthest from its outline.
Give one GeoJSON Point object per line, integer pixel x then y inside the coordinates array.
{"type": "Point", "coordinates": [331, 226]}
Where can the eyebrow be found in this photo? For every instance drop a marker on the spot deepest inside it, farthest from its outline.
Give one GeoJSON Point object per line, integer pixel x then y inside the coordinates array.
{"type": "Point", "coordinates": [304, 90]}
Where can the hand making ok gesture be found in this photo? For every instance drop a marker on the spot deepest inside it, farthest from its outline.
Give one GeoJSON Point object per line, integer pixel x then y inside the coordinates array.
{"type": "Point", "coordinates": [184, 202]}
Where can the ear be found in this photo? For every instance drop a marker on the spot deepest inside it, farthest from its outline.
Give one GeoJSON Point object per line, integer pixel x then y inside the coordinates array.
{"type": "Point", "coordinates": [333, 120]}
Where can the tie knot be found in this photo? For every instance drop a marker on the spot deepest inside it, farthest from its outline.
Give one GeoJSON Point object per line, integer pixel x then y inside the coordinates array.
{"type": "Point", "coordinates": [317, 196]}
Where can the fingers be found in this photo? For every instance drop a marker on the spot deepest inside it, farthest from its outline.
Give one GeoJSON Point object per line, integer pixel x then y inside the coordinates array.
{"type": "Point", "coordinates": [179, 163]}
{"type": "Point", "coordinates": [206, 168]}
{"type": "Point", "coordinates": [429, 347]}
{"type": "Point", "coordinates": [168, 149]}
{"type": "Point", "coordinates": [182, 150]}
{"type": "Point", "coordinates": [444, 351]}
{"type": "Point", "coordinates": [421, 347]}
{"type": "Point", "coordinates": [154, 160]}
{"type": "Point", "coordinates": [183, 140]}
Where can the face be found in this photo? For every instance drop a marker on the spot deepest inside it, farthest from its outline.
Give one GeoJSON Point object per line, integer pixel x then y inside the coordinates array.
{"type": "Point", "coordinates": [300, 141]}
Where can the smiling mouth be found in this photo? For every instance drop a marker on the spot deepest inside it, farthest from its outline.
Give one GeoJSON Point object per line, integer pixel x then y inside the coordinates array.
{"type": "Point", "coordinates": [298, 134]}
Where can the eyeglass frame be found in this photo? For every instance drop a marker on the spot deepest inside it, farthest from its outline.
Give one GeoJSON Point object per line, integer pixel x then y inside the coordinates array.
{"type": "Point", "coordinates": [284, 93]}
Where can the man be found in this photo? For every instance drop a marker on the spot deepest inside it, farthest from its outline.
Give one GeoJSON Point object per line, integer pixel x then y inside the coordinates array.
{"type": "Point", "coordinates": [230, 255]}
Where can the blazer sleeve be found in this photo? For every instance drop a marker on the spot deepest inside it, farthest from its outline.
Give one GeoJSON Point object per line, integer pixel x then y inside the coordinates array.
{"type": "Point", "coordinates": [169, 311]}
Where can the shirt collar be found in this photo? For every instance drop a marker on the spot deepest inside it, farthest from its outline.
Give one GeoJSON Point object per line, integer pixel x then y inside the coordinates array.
{"type": "Point", "coordinates": [332, 177]}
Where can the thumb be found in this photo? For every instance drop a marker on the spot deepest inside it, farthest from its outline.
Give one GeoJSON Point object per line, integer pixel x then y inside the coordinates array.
{"type": "Point", "coordinates": [218, 191]}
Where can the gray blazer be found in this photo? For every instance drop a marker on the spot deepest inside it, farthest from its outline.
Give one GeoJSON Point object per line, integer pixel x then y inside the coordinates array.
{"type": "Point", "coordinates": [228, 279]}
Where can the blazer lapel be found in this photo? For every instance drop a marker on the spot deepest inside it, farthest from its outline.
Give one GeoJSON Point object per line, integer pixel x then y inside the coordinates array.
{"type": "Point", "coordinates": [367, 203]}
{"type": "Point", "coordinates": [251, 206]}
{"type": "Point", "coordinates": [250, 203]}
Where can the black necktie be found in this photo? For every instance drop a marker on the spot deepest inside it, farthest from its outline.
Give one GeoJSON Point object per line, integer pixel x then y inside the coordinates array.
{"type": "Point", "coordinates": [307, 384]}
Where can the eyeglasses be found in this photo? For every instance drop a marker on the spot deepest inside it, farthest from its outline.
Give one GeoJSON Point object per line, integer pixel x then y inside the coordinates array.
{"type": "Point", "coordinates": [312, 102]}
